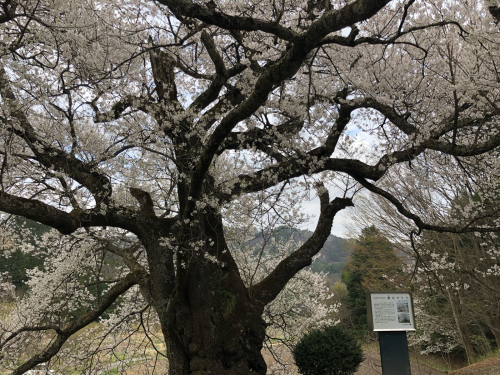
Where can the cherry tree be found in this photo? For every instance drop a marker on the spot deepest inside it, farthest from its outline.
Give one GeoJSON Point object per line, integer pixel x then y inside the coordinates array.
{"type": "Point", "coordinates": [149, 129]}
{"type": "Point", "coordinates": [454, 275]}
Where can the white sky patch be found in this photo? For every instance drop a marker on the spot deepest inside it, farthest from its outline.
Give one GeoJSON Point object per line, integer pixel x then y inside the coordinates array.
{"type": "Point", "coordinates": [363, 148]}
{"type": "Point", "coordinates": [312, 208]}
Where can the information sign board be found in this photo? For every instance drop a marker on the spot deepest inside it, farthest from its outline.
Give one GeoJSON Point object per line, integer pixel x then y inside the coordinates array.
{"type": "Point", "coordinates": [390, 311]}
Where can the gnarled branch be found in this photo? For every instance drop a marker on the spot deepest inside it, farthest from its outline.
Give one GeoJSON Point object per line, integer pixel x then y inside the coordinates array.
{"type": "Point", "coordinates": [267, 289]}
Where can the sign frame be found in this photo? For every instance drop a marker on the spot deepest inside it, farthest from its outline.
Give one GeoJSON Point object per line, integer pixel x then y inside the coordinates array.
{"type": "Point", "coordinates": [373, 326]}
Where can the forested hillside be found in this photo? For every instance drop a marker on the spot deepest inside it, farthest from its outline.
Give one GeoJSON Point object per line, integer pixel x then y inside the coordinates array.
{"type": "Point", "coordinates": [332, 257]}
{"type": "Point", "coordinates": [15, 263]}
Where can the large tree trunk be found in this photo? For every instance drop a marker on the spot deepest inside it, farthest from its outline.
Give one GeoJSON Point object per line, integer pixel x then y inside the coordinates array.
{"type": "Point", "coordinates": [214, 328]}
{"type": "Point", "coordinates": [211, 324]}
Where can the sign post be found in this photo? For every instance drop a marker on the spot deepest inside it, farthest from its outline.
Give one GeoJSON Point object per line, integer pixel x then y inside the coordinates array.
{"type": "Point", "coordinates": [391, 315]}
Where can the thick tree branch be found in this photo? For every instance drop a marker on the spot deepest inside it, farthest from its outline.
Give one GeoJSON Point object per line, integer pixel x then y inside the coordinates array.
{"type": "Point", "coordinates": [273, 175]}
{"type": "Point", "coordinates": [9, 10]}
{"type": "Point", "coordinates": [145, 201]}
{"type": "Point", "coordinates": [67, 223]}
{"type": "Point", "coordinates": [344, 116]}
{"type": "Point", "coordinates": [266, 290]}
{"type": "Point", "coordinates": [351, 41]}
{"type": "Point", "coordinates": [120, 107]}
{"type": "Point", "coordinates": [231, 72]}
{"type": "Point", "coordinates": [187, 8]}
{"type": "Point", "coordinates": [221, 74]}
{"type": "Point", "coordinates": [401, 121]}
{"type": "Point", "coordinates": [463, 150]}
{"type": "Point", "coordinates": [16, 333]}
{"type": "Point", "coordinates": [261, 138]}
{"type": "Point", "coordinates": [164, 76]}
{"type": "Point", "coordinates": [97, 183]}
{"type": "Point", "coordinates": [335, 20]}
{"type": "Point", "coordinates": [38, 211]}
{"type": "Point", "coordinates": [274, 74]}
{"type": "Point", "coordinates": [494, 10]}
{"type": "Point", "coordinates": [233, 97]}
{"type": "Point", "coordinates": [64, 334]}
{"type": "Point", "coordinates": [433, 143]}
{"type": "Point", "coordinates": [418, 221]}
{"type": "Point", "coordinates": [292, 168]}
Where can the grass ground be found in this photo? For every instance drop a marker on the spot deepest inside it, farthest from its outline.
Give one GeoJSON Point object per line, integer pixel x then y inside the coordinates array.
{"type": "Point", "coordinates": [420, 365]}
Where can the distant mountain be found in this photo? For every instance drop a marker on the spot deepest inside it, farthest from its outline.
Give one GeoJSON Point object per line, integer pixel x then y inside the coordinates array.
{"type": "Point", "coordinates": [332, 257]}
{"type": "Point", "coordinates": [334, 250]}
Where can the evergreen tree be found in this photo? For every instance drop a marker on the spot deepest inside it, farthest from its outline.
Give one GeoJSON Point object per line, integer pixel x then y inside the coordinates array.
{"type": "Point", "coordinates": [373, 266]}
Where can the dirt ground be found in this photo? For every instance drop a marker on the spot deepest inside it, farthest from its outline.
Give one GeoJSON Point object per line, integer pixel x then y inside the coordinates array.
{"type": "Point", "coordinates": [371, 366]}
{"type": "Point", "coordinates": [489, 366]}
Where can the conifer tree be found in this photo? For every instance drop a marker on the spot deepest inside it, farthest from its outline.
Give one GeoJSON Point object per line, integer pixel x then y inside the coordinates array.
{"type": "Point", "coordinates": [374, 266]}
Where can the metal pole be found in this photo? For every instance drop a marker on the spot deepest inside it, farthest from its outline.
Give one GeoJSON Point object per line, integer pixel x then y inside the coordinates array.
{"type": "Point", "coordinates": [394, 353]}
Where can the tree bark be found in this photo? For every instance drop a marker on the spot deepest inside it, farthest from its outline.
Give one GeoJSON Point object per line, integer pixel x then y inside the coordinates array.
{"type": "Point", "coordinates": [211, 325]}
{"type": "Point", "coordinates": [494, 326]}
{"type": "Point", "coordinates": [461, 324]}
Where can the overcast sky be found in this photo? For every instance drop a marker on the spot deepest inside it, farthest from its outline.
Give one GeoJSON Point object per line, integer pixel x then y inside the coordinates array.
{"type": "Point", "coordinates": [312, 208]}
{"type": "Point", "coordinates": [365, 143]}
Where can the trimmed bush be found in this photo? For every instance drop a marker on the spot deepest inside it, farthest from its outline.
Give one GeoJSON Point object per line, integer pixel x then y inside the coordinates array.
{"type": "Point", "coordinates": [328, 351]}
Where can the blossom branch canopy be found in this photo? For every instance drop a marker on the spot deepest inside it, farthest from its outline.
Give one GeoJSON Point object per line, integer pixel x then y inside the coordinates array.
{"type": "Point", "coordinates": [153, 129]}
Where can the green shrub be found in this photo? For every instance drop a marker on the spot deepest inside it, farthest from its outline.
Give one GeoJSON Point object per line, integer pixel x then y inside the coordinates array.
{"type": "Point", "coordinates": [328, 351]}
